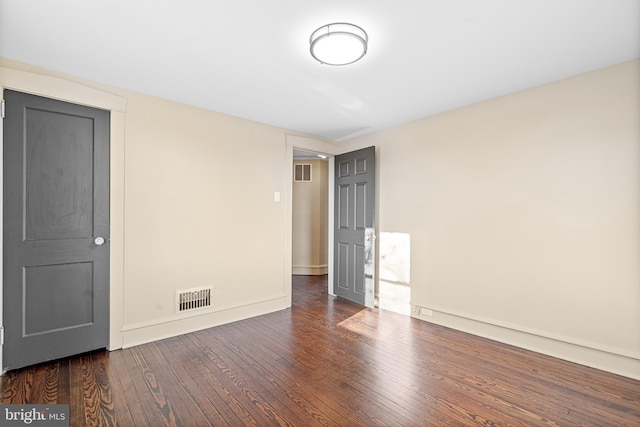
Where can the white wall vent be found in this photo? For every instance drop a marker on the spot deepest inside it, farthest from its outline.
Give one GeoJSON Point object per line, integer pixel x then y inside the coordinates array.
{"type": "Point", "coordinates": [192, 299]}
{"type": "Point", "coordinates": [302, 172]}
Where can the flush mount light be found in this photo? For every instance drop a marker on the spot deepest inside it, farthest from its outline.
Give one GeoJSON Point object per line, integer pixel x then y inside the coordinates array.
{"type": "Point", "coordinates": [338, 43]}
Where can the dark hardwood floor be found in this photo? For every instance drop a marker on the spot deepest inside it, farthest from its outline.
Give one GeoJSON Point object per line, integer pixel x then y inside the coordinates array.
{"type": "Point", "coordinates": [327, 362]}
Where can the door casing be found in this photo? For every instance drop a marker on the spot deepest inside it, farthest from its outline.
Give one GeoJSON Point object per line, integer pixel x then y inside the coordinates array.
{"type": "Point", "coordinates": [67, 90]}
{"type": "Point", "coordinates": [319, 147]}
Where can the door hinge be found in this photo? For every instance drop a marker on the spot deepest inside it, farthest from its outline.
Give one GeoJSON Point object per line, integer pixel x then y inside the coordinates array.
{"type": "Point", "coordinates": [2, 108]}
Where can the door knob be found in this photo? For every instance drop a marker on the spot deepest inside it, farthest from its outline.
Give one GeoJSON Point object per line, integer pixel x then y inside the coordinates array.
{"type": "Point", "coordinates": [99, 241]}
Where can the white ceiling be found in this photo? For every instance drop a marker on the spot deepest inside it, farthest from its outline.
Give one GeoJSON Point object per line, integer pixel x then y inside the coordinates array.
{"type": "Point", "coordinates": [250, 58]}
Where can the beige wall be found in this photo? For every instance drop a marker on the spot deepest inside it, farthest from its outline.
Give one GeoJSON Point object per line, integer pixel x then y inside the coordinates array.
{"type": "Point", "coordinates": [310, 225]}
{"type": "Point", "coordinates": [524, 215]}
{"type": "Point", "coordinates": [200, 208]}
{"type": "Point", "coordinates": [195, 192]}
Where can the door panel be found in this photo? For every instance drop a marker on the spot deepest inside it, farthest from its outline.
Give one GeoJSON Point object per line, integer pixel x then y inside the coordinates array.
{"type": "Point", "coordinates": [360, 207]}
{"type": "Point", "coordinates": [343, 207]}
{"type": "Point", "coordinates": [59, 202]}
{"type": "Point", "coordinates": [354, 229]}
{"type": "Point", "coordinates": [56, 202]}
{"type": "Point", "coordinates": [73, 279]}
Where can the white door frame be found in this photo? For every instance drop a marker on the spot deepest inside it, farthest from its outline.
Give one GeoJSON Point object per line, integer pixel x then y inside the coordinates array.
{"type": "Point", "coordinates": [65, 90]}
{"type": "Point", "coordinates": [318, 147]}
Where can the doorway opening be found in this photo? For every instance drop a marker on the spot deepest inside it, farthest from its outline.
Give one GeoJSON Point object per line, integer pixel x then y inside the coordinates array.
{"type": "Point", "coordinates": [310, 214]}
{"type": "Point", "coordinates": [312, 239]}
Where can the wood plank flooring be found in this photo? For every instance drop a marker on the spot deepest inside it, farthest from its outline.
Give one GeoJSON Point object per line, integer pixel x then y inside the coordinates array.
{"type": "Point", "coordinates": [326, 362]}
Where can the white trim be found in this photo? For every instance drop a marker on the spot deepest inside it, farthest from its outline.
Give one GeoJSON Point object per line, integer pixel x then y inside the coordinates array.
{"type": "Point", "coordinates": [621, 364]}
{"type": "Point", "coordinates": [165, 328]}
{"type": "Point", "coordinates": [310, 270]}
{"type": "Point", "coordinates": [540, 333]}
{"type": "Point", "coordinates": [207, 311]}
{"type": "Point", "coordinates": [56, 88]}
{"type": "Point", "coordinates": [64, 90]}
{"type": "Point", "coordinates": [331, 223]}
{"type": "Point", "coordinates": [316, 146]}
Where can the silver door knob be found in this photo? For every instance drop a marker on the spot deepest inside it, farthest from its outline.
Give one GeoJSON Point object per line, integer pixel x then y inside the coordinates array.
{"type": "Point", "coordinates": [99, 241]}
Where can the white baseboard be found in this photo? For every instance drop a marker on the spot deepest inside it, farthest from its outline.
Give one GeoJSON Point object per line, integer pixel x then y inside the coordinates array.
{"type": "Point", "coordinates": [310, 270]}
{"type": "Point", "coordinates": [142, 334]}
{"type": "Point", "coordinates": [604, 360]}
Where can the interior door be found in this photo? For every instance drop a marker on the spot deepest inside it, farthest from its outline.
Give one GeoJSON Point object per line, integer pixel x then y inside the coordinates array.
{"type": "Point", "coordinates": [354, 233]}
{"type": "Point", "coordinates": [56, 229]}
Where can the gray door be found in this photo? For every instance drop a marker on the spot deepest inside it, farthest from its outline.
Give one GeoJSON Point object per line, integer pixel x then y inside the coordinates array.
{"type": "Point", "coordinates": [354, 232]}
{"type": "Point", "coordinates": [56, 229]}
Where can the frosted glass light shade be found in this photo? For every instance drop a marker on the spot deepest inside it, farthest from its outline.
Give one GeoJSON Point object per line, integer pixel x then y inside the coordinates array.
{"type": "Point", "coordinates": [338, 44]}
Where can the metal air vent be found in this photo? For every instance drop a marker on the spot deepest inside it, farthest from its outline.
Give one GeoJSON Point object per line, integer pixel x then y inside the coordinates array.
{"type": "Point", "coordinates": [192, 299]}
{"type": "Point", "coordinates": [302, 172]}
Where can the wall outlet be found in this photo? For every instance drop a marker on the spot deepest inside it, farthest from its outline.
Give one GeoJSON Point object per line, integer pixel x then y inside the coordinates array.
{"type": "Point", "coordinates": [426, 312]}
{"type": "Point", "coordinates": [416, 310]}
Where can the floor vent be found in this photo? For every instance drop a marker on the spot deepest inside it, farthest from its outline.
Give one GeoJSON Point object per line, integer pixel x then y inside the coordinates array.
{"type": "Point", "coordinates": [192, 299]}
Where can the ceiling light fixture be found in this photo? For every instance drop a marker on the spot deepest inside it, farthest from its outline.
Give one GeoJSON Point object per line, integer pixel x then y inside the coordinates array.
{"type": "Point", "coordinates": [338, 43]}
